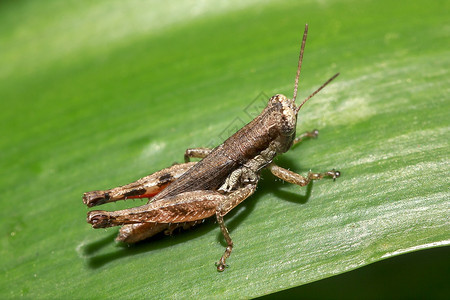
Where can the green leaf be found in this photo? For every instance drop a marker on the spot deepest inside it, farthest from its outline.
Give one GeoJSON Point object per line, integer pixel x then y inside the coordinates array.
{"type": "Point", "coordinates": [97, 94]}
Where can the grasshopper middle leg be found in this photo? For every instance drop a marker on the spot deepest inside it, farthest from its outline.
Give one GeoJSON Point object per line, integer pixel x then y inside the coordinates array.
{"type": "Point", "coordinates": [230, 202]}
{"type": "Point", "coordinates": [196, 153]}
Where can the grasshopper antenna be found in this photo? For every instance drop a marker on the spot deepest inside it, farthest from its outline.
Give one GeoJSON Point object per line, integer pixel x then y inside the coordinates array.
{"type": "Point", "coordinates": [318, 90]}
{"type": "Point", "coordinates": [300, 60]}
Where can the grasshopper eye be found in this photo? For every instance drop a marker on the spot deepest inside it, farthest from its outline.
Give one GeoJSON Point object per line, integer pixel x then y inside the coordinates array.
{"type": "Point", "coordinates": [288, 115]}
{"type": "Point", "coordinates": [288, 122]}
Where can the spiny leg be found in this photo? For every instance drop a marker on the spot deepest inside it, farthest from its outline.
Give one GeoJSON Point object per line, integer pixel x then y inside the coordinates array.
{"type": "Point", "coordinates": [226, 206]}
{"type": "Point", "coordinates": [145, 187]}
{"type": "Point", "coordinates": [196, 153]}
{"type": "Point", "coordinates": [184, 207]}
{"type": "Point", "coordinates": [309, 134]}
{"type": "Point", "coordinates": [298, 179]}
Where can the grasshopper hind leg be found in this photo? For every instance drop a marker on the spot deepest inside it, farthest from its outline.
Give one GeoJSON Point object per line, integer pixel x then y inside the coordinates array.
{"type": "Point", "coordinates": [189, 207]}
{"type": "Point", "coordinates": [133, 233]}
{"type": "Point", "coordinates": [145, 187]}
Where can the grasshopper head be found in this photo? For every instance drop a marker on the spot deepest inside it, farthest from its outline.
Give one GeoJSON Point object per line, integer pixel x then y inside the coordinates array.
{"type": "Point", "coordinates": [283, 112]}
{"type": "Point", "coordinates": [287, 113]}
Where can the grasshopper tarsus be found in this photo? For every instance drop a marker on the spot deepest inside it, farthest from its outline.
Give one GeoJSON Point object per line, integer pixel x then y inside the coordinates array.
{"type": "Point", "coordinates": [334, 174]}
{"type": "Point", "coordinates": [221, 265]}
{"type": "Point", "coordinates": [314, 133]}
{"type": "Point", "coordinates": [317, 176]}
{"type": "Point", "coordinates": [185, 194]}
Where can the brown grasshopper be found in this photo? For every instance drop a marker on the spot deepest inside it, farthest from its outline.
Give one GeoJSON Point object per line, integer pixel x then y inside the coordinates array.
{"type": "Point", "coordinates": [185, 194]}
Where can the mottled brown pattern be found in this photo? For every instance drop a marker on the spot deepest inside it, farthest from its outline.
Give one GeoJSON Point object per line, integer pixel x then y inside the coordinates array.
{"type": "Point", "coordinates": [134, 192]}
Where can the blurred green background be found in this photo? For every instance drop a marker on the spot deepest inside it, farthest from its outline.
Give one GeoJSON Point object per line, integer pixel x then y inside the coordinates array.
{"type": "Point", "coordinates": [97, 94]}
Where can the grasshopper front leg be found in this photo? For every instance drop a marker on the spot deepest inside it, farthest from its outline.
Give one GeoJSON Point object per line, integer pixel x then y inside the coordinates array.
{"type": "Point", "coordinates": [298, 179]}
